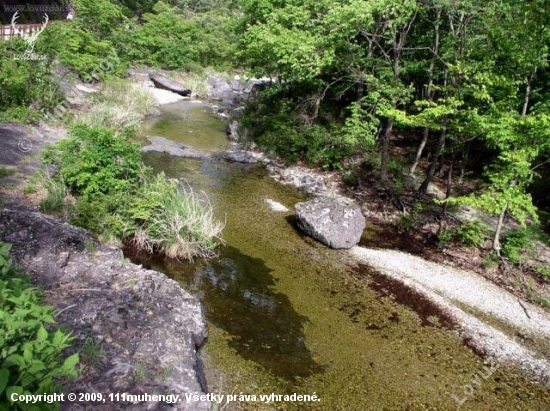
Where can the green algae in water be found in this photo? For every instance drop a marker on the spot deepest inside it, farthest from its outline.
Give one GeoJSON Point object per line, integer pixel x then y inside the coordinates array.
{"type": "Point", "coordinates": [287, 315]}
{"type": "Point", "coordinates": [189, 123]}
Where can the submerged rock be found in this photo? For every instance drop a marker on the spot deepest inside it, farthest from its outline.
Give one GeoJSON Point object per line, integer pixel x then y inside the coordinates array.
{"type": "Point", "coordinates": [233, 130]}
{"type": "Point", "coordinates": [165, 83]}
{"type": "Point", "coordinates": [163, 145]}
{"type": "Point", "coordinates": [243, 156]}
{"type": "Point", "coordinates": [337, 223]}
{"type": "Point", "coordinates": [136, 320]}
{"type": "Point", "coordinates": [275, 205]}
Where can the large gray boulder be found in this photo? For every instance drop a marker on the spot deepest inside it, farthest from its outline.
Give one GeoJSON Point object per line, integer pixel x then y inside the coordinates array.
{"type": "Point", "coordinates": [165, 83]}
{"type": "Point", "coordinates": [337, 223]}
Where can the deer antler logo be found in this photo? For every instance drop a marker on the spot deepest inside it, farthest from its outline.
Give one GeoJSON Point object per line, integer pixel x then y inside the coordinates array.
{"type": "Point", "coordinates": [31, 37]}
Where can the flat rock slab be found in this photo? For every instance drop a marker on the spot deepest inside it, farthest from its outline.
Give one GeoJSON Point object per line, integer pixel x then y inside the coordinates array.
{"type": "Point", "coordinates": [139, 321]}
{"type": "Point", "coordinates": [163, 145]}
{"type": "Point", "coordinates": [18, 141]}
{"type": "Point", "coordinates": [165, 83]}
{"type": "Point", "coordinates": [337, 223]}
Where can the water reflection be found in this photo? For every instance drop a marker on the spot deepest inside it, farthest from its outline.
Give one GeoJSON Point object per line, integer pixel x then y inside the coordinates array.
{"type": "Point", "coordinates": [236, 291]}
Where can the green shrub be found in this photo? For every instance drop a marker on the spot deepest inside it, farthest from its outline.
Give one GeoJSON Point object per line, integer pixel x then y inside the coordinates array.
{"type": "Point", "coordinates": [26, 87]}
{"type": "Point", "coordinates": [30, 355]}
{"type": "Point", "coordinates": [444, 237]}
{"type": "Point", "coordinates": [471, 233]}
{"type": "Point", "coordinates": [543, 271]}
{"type": "Point", "coordinates": [94, 161]}
{"type": "Point", "coordinates": [279, 130]}
{"type": "Point", "coordinates": [514, 243]}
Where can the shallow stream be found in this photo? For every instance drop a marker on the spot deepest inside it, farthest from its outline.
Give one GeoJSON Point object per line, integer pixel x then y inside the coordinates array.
{"type": "Point", "coordinates": [287, 314]}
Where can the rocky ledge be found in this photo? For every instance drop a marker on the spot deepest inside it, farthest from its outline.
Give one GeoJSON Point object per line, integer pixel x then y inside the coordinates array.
{"type": "Point", "coordinates": [137, 331]}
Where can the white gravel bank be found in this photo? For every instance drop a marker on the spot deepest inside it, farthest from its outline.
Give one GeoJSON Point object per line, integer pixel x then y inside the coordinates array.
{"type": "Point", "coordinates": [450, 288]}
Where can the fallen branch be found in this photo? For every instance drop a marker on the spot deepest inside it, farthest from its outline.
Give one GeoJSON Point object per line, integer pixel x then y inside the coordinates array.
{"type": "Point", "coordinates": [524, 309]}
{"type": "Point", "coordinates": [57, 314]}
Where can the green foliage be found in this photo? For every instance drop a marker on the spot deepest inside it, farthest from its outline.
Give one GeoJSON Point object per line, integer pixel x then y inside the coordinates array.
{"type": "Point", "coordinates": [543, 271]}
{"type": "Point", "coordinates": [444, 237]}
{"type": "Point", "coordinates": [26, 87]}
{"type": "Point", "coordinates": [30, 354]}
{"type": "Point", "coordinates": [471, 233]}
{"type": "Point", "coordinates": [278, 129]}
{"type": "Point", "coordinates": [6, 172]}
{"type": "Point", "coordinates": [174, 40]}
{"type": "Point", "coordinates": [515, 243]}
{"type": "Point", "coordinates": [95, 162]}
{"type": "Point", "coordinates": [85, 52]}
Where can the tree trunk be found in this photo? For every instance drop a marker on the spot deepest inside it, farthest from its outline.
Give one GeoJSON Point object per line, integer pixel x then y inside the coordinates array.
{"type": "Point", "coordinates": [420, 150]}
{"type": "Point", "coordinates": [496, 239]}
{"type": "Point", "coordinates": [430, 93]}
{"type": "Point", "coordinates": [448, 192]}
{"type": "Point", "coordinates": [385, 153]}
{"type": "Point", "coordinates": [431, 172]}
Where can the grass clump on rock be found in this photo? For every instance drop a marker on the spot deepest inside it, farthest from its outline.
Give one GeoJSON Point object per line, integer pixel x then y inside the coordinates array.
{"type": "Point", "coordinates": [117, 197]}
{"type": "Point", "coordinates": [175, 219]}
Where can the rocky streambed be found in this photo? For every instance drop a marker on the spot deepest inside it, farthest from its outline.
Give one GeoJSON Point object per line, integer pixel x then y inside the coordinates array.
{"type": "Point", "coordinates": [286, 314]}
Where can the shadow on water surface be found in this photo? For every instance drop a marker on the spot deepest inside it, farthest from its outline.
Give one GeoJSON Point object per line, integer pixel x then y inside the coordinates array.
{"type": "Point", "coordinates": [235, 290]}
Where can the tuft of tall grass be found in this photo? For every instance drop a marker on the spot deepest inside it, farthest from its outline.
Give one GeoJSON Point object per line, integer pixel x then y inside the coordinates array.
{"type": "Point", "coordinates": [118, 104]}
{"type": "Point", "coordinates": [58, 199]}
{"type": "Point", "coordinates": [195, 81]}
{"type": "Point", "coordinates": [177, 221]}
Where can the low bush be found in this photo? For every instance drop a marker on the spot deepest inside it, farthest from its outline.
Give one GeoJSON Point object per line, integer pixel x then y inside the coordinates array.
{"type": "Point", "coordinates": [515, 243]}
{"type": "Point", "coordinates": [26, 87]}
{"type": "Point", "coordinates": [30, 354]}
{"type": "Point", "coordinates": [471, 233]}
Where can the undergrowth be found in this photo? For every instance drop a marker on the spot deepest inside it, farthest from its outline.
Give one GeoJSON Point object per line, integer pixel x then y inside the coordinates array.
{"type": "Point", "coordinates": [30, 351]}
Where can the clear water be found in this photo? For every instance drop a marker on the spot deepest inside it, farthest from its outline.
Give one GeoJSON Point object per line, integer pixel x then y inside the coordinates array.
{"type": "Point", "coordinates": [286, 314]}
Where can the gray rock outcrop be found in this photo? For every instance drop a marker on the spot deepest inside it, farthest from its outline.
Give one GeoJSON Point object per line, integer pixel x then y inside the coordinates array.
{"type": "Point", "coordinates": [219, 88]}
{"type": "Point", "coordinates": [165, 83]}
{"type": "Point", "coordinates": [163, 145]}
{"type": "Point", "coordinates": [337, 223]}
{"type": "Point", "coordinates": [142, 327]}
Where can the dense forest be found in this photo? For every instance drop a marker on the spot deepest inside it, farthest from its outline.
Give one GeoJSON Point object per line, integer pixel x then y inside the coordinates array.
{"type": "Point", "coordinates": [379, 89]}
